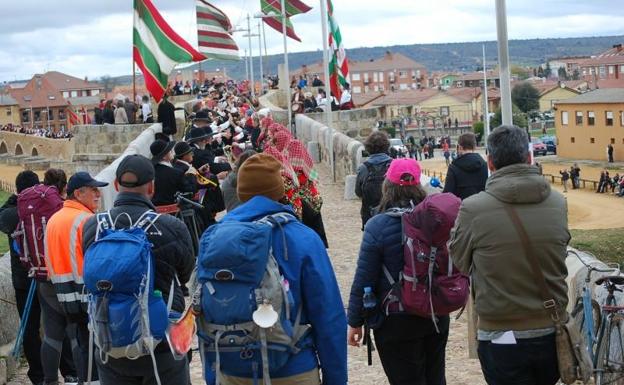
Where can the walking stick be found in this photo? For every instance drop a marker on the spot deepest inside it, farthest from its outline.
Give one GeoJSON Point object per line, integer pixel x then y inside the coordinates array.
{"type": "Point", "coordinates": [24, 320]}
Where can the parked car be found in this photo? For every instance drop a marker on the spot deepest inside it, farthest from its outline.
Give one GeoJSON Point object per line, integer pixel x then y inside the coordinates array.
{"type": "Point", "coordinates": [539, 148]}
{"type": "Point", "coordinates": [551, 143]}
{"type": "Point", "coordinates": [397, 148]}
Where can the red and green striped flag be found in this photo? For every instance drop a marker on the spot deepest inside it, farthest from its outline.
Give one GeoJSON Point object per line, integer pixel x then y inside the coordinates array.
{"type": "Point", "coordinates": [157, 48]}
{"type": "Point", "coordinates": [293, 7]}
{"type": "Point", "coordinates": [339, 66]}
{"type": "Point", "coordinates": [213, 37]}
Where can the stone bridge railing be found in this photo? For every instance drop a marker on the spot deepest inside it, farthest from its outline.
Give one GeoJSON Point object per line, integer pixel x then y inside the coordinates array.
{"type": "Point", "coordinates": [13, 143]}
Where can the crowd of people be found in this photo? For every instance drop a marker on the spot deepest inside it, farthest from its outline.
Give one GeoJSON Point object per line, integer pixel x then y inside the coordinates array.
{"type": "Point", "coordinates": [42, 132]}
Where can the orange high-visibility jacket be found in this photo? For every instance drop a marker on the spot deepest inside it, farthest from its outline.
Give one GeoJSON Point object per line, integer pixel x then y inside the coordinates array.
{"type": "Point", "coordinates": [64, 257]}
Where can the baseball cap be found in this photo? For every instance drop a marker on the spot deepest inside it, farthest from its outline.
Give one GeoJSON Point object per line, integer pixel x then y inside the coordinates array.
{"type": "Point", "coordinates": [404, 172]}
{"type": "Point", "coordinates": [82, 179]}
{"type": "Point", "coordinates": [140, 169]}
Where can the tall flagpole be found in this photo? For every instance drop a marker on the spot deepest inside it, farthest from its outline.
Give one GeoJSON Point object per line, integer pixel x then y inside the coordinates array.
{"type": "Point", "coordinates": [485, 96]}
{"type": "Point", "coordinates": [251, 70]}
{"type": "Point", "coordinates": [328, 111]}
{"type": "Point", "coordinates": [503, 60]}
{"type": "Point", "coordinates": [261, 58]}
{"type": "Point", "coordinates": [286, 69]}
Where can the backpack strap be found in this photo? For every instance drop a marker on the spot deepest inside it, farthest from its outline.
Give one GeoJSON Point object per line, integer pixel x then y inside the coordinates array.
{"type": "Point", "coordinates": [104, 222]}
{"type": "Point", "coordinates": [147, 220]}
{"type": "Point", "coordinates": [279, 220]}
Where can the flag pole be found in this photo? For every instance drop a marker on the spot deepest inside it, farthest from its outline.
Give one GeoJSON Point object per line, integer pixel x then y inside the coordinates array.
{"type": "Point", "coordinates": [485, 96]}
{"type": "Point", "coordinates": [286, 70]}
{"type": "Point", "coordinates": [328, 110]}
{"type": "Point", "coordinates": [251, 71]}
{"type": "Point", "coordinates": [133, 80]}
{"type": "Point", "coordinates": [261, 58]}
{"type": "Point", "coordinates": [503, 59]}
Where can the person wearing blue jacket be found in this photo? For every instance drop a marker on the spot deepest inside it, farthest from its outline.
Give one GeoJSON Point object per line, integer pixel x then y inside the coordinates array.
{"type": "Point", "coordinates": [310, 275]}
{"type": "Point", "coordinates": [411, 351]}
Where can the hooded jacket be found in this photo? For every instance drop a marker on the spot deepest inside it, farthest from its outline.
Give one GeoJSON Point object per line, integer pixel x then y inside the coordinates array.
{"type": "Point", "coordinates": [485, 239]}
{"type": "Point", "coordinates": [466, 175]}
{"type": "Point", "coordinates": [313, 283]}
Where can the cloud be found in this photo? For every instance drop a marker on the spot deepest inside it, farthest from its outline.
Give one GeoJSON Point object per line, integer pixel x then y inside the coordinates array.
{"type": "Point", "coordinates": [93, 37]}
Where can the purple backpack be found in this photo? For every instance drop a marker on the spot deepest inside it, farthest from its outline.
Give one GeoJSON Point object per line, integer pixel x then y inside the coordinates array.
{"type": "Point", "coordinates": [429, 285]}
{"type": "Point", "coordinates": [35, 206]}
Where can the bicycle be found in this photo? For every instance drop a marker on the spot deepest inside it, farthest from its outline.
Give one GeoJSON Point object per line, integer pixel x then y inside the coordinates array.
{"type": "Point", "coordinates": [606, 321]}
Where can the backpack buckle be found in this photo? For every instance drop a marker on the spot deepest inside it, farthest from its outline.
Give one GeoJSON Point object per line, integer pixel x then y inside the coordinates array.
{"type": "Point", "coordinates": [224, 275]}
{"type": "Point", "coordinates": [104, 285]}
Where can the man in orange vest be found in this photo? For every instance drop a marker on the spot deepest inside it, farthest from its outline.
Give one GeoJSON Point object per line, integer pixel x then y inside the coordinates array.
{"type": "Point", "coordinates": [63, 303]}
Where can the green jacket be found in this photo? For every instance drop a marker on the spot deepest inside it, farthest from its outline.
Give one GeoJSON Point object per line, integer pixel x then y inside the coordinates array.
{"type": "Point", "coordinates": [484, 239]}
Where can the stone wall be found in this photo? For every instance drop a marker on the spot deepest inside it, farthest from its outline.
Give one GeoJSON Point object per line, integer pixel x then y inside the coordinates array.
{"type": "Point", "coordinates": [21, 144]}
{"type": "Point", "coordinates": [347, 151]}
{"type": "Point", "coordinates": [275, 100]}
{"type": "Point", "coordinates": [357, 124]}
{"type": "Point", "coordinates": [9, 319]}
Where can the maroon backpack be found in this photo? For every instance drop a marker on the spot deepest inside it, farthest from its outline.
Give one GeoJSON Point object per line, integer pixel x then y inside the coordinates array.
{"type": "Point", "coordinates": [35, 206]}
{"type": "Point", "coordinates": [429, 285]}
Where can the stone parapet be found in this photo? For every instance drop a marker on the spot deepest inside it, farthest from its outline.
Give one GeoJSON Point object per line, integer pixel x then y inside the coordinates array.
{"type": "Point", "coordinates": [22, 144]}
{"type": "Point", "coordinates": [357, 123]}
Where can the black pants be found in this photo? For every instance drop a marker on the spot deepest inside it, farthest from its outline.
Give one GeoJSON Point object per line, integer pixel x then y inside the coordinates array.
{"type": "Point", "coordinates": [530, 361]}
{"type": "Point", "coordinates": [411, 351]}
{"type": "Point", "coordinates": [32, 339]}
{"type": "Point", "coordinates": [57, 328]}
{"type": "Point", "coordinates": [141, 370]}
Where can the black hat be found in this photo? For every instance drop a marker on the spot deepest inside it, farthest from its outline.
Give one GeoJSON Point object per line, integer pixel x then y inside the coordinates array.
{"type": "Point", "coordinates": [202, 115]}
{"type": "Point", "coordinates": [140, 168]}
{"type": "Point", "coordinates": [181, 149]}
{"type": "Point", "coordinates": [196, 134]}
{"type": "Point", "coordinates": [82, 179]}
{"type": "Point", "coordinates": [159, 149]}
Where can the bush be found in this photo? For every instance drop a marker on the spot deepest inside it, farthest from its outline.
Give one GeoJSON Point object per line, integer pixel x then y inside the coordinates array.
{"type": "Point", "coordinates": [519, 118]}
{"type": "Point", "coordinates": [390, 130]}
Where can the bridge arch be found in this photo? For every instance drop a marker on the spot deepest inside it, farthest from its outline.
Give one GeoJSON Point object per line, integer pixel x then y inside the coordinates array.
{"type": "Point", "coordinates": [18, 149]}
{"type": "Point", "coordinates": [3, 148]}
{"type": "Point", "coordinates": [34, 152]}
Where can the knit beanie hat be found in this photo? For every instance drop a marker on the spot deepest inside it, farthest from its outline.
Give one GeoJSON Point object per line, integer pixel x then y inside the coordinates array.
{"type": "Point", "coordinates": [260, 175]}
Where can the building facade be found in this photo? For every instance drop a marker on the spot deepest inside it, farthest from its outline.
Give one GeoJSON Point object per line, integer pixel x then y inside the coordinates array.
{"type": "Point", "coordinates": [606, 66]}
{"type": "Point", "coordinates": [9, 110]}
{"type": "Point", "coordinates": [588, 123]}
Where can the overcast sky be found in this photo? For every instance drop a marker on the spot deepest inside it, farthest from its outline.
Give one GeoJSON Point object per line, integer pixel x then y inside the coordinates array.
{"type": "Point", "coordinates": [94, 37]}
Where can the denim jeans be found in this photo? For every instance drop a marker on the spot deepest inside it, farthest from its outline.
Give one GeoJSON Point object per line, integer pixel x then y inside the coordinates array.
{"type": "Point", "coordinates": [531, 361]}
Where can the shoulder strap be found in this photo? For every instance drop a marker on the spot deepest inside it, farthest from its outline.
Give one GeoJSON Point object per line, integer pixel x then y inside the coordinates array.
{"type": "Point", "coordinates": [279, 220]}
{"type": "Point", "coordinates": [104, 222]}
{"type": "Point", "coordinates": [549, 302]}
{"type": "Point", "coordinates": [146, 220]}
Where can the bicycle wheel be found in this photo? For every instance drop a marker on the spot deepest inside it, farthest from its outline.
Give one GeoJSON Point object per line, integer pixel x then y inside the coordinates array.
{"type": "Point", "coordinates": [610, 361]}
{"type": "Point", "coordinates": [579, 317]}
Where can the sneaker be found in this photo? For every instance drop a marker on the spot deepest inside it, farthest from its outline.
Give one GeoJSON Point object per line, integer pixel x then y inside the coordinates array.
{"type": "Point", "coordinates": [71, 380]}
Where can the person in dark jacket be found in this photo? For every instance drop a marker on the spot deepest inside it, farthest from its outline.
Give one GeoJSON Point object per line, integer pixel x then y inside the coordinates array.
{"type": "Point", "coordinates": [410, 349]}
{"type": "Point", "coordinates": [370, 174]}
{"type": "Point", "coordinates": [9, 220]}
{"type": "Point", "coordinates": [131, 110]}
{"type": "Point", "coordinates": [173, 256]}
{"type": "Point", "coordinates": [203, 154]}
{"type": "Point", "coordinates": [168, 180]}
{"type": "Point", "coordinates": [108, 114]}
{"type": "Point", "coordinates": [468, 173]}
{"type": "Point", "coordinates": [166, 116]}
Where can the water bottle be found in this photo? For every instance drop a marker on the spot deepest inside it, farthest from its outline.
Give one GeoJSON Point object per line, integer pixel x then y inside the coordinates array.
{"type": "Point", "coordinates": [369, 299]}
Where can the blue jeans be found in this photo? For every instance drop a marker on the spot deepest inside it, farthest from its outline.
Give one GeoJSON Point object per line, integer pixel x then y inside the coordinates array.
{"type": "Point", "coordinates": [531, 361]}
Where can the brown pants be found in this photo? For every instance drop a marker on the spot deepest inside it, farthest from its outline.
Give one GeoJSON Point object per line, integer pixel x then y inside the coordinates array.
{"type": "Point", "coordinates": [307, 378]}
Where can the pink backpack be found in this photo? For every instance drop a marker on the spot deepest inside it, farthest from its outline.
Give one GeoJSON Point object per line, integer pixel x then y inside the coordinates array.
{"type": "Point", "coordinates": [429, 285]}
{"type": "Point", "coordinates": [35, 206]}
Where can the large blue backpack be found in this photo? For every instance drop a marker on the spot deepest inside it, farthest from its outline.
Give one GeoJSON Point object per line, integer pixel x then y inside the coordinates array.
{"type": "Point", "coordinates": [239, 285]}
{"type": "Point", "coordinates": [127, 317]}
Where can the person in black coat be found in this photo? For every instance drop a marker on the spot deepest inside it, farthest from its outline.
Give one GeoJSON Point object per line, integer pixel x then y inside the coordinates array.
{"type": "Point", "coordinates": [108, 114]}
{"type": "Point", "coordinates": [168, 180]}
{"type": "Point", "coordinates": [203, 153]}
{"type": "Point", "coordinates": [468, 173]}
{"type": "Point", "coordinates": [172, 249]}
{"type": "Point", "coordinates": [166, 116]}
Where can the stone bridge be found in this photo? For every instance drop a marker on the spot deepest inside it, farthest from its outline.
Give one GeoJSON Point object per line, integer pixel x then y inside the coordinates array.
{"type": "Point", "coordinates": [16, 144]}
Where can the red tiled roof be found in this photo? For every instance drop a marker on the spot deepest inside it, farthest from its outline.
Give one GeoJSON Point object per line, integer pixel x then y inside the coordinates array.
{"type": "Point", "coordinates": [38, 93]}
{"type": "Point", "coordinates": [614, 55]}
{"type": "Point", "coordinates": [415, 97]}
{"type": "Point", "coordinates": [478, 76]}
{"type": "Point", "coordinates": [63, 82]}
{"type": "Point", "coordinates": [389, 61]}
{"type": "Point", "coordinates": [608, 83]}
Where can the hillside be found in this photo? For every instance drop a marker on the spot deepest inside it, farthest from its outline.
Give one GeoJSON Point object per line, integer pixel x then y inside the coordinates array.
{"type": "Point", "coordinates": [442, 57]}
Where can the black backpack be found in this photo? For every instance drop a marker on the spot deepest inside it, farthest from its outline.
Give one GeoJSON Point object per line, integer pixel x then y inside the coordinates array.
{"type": "Point", "coordinates": [371, 188]}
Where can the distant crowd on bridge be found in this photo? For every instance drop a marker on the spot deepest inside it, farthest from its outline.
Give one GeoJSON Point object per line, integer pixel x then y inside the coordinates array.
{"type": "Point", "coordinates": [41, 132]}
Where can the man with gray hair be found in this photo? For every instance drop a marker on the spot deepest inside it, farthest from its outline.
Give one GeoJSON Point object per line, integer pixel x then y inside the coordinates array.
{"type": "Point", "coordinates": [515, 331]}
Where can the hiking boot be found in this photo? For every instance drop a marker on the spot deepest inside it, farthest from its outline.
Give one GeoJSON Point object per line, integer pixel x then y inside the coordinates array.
{"type": "Point", "coordinates": [71, 380]}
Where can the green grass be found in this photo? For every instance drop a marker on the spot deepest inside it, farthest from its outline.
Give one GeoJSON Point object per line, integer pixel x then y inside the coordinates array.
{"type": "Point", "coordinates": [538, 133]}
{"type": "Point", "coordinates": [607, 244]}
{"type": "Point", "coordinates": [4, 242]}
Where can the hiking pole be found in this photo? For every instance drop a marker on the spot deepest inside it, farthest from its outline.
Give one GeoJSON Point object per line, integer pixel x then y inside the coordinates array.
{"type": "Point", "coordinates": [24, 320]}
{"type": "Point", "coordinates": [368, 343]}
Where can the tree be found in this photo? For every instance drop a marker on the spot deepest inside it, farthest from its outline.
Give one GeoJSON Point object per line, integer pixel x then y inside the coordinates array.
{"type": "Point", "coordinates": [525, 96]}
{"type": "Point", "coordinates": [561, 72]}
{"type": "Point", "coordinates": [548, 70]}
{"type": "Point", "coordinates": [519, 118]}
{"type": "Point", "coordinates": [540, 72]}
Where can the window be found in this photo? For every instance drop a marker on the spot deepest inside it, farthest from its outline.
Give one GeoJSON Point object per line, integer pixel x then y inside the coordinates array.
{"type": "Point", "coordinates": [365, 77]}
{"type": "Point", "coordinates": [65, 94]}
{"type": "Point", "coordinates": [584, 71]}
{"type": "Point", "coordinates": [417, 73]}
{"type": "Point", "coordinates": [591, 118]}
{"type": "Point", "coordinates": [365, 89]}
{"type": "Point", "coordinates": [26, 116]}
{"type": "Point", "coordinates": [376, 88]}
{"type": "Point", "coordinates": [579, 118]}
{"type": "Point", "coordinates": [74, 94]}
{"type": "Point", "coordinates": [50, 114]}
{"type": "Point", "coordinates": [8, 111]}
{"type": "Point", "coordinates": [603, 71]}
{"type": "Point", "coordinates": [375, 77]}
{"type": "Point", "coordinates": [381, 87]}
{"type": "Point", "coordinates": [612, 140]}
{"type": "Point", "coordinates": [381, 76]}
{"type": "Point", "coordinates": [609, 118]}
{"type": "Point", "coordinates": [61, 115]}
{"type": "Point", "coordinates": [572, 140]}
{"type": "Point", "coordinates": [37, 116]}
{"type": "Point", "coordinates": [622, 68]}
{"type": "Point", "coordinates": [95, 92]}
{"type": "Point", "coordinates": [592, 140]}
{"type": "Point", "coordinates": [564, 118]}
{"type": "Point", "coordinates": [402, 74]}
{"type": "Point", "coordinates": [357, 90]}
{"type": "Point", "coordinates": [355, 77]}
{"type": "Point", "coordinates": [611, 70]}
{"type": "Point", "coordinates": [622, 117]}
{"type": "Point", "coordinates": [403, 86]}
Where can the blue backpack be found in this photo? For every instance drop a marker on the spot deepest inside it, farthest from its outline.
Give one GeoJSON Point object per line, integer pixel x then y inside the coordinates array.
{"type": "Point", "coordinates": [127, 317]}
{"type": "Point", "coordinates": [248, 323]}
